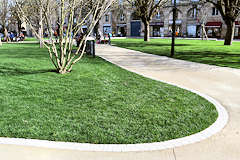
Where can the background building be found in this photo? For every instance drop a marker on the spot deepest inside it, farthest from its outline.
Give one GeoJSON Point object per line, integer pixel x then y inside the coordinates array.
{"type": "Point", "coordinates": [122, 21]}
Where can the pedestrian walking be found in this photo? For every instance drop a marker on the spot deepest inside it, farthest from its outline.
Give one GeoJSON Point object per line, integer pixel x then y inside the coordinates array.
{"type": "Point", "coordinates": [109, 38]}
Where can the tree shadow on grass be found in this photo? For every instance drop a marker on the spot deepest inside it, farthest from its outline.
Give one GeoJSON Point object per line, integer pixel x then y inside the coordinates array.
{"type": "Point", "coordinates": [213, 54]}
{"type": "Point", "coordinates": [23, 54]}
{"type": "Point", "coordinates": [23, 51]}
{"type": "Point", "coordinates": [127, 45]}
{"type": "Point", "coordinates": [12, 71]}
{"type": "Point", "coordinates": [212, 58]}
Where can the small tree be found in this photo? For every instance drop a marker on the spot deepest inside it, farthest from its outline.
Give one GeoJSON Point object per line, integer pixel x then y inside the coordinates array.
{"type": "Point", "coordinates": [33, 10]}
{"type": "Point", "coordinates": [204, 16]}
{"type": "Point", "coordinates": [74, 14]}
{"type": "Point", "coordinates": [14, 18]}
{"type": "Point", "coordinates": [145, 9]}
{"type": "Point", "coordinates": [229, 10]}
{"type": "Point", "coordinates": [4, 15]}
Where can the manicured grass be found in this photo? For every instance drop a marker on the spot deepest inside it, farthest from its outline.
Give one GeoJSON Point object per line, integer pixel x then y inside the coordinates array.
{"type": "Point", "coordinates": [207, 52]}
{"type": "Point", "coordinates": [30, 39]}
{"type": "Point", "coordinates": [96, 103]}
{"type": "Point", "coordinates": [33, 39]}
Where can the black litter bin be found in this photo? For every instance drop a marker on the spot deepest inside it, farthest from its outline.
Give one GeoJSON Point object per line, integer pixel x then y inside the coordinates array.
{"type": "Point", "coordinates": [90, 47]}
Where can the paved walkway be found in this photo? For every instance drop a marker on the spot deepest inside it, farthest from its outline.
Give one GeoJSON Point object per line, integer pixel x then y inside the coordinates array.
{"type": "Point", "coordinates": [223, 84]}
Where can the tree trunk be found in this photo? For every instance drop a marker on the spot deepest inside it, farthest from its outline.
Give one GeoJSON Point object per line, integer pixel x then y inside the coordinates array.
{"type": "Point", "coordinates": [173, 29]}
{"type": "Point", "coordinates": [19, 25]}
{"type": "Point", "coordinates": [41, 28]}
{"type": "Point", "coordinates": [96, 31]}
{"type": "Point", "coordinates": [230, 32]}
{"type": "Point", "coordinates": [146, 31]}
{"type": "Point", "coordinates": [6, 37]}
{"type": "Point", "coordinates": [204, 33]}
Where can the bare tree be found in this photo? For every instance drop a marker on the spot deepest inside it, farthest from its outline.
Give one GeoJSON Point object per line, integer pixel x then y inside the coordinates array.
{"type": "Point", "coordinates": [229, 10]}
{"type": "Point", "coordinates": [74, 14]}
{"type": "Point", "coordinates": [7, 18]}
{"type": "Point", "coordinates": [145, 9]}
{"type": "Point", "coordinates": [14, 18]}
{"type": "Point", "coordinates": [33, 10]}
{"type": "Point", "coordinates": [4, 15]}
{"type": "Point", "coordinates": [204, 16]}
{"type": "Point", "coordinates": [40, 4]}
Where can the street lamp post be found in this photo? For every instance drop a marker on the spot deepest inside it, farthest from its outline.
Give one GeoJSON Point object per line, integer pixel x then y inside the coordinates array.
{"type": "Point", "coordinates": [174, 28]}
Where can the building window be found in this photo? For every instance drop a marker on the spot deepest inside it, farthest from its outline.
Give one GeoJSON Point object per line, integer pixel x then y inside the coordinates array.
{"type": "Point", "coordinates": [106, 18]}
{"type": "Point", "coordinates": [214, 11]}
{"type": "Point", "coordinates": [193, 13]}
{"type": "Point", "coordinates": [178, 15]}
{"type": "Point", "coordinates": [122, 17]}
{"type": "Point", "coordinates": [158, 16]}
{"type": "Point", "coordinates": [135, 16]}
{"type": "Point", "coordinates": [177, 1]}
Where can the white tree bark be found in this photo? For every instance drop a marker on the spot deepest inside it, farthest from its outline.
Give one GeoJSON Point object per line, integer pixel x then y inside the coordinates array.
{"type": "Point", "coordinates": [41, 25]}
{"type": "Point", "coordinates": [204, 16]}
{"type": "Point", "coordinates": [204, 33]}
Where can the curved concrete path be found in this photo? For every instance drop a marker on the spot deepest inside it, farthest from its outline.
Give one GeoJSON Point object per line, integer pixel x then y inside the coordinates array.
{"type": "Point", "coordinates": [223, 84]}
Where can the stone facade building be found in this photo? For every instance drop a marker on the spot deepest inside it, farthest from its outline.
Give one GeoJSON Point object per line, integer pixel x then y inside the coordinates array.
{"type": "Point", "coordinates": [121, 21]}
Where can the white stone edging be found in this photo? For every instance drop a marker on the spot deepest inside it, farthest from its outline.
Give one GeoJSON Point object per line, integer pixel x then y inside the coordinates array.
{"type": "Point", "coordinates": [216, 127]}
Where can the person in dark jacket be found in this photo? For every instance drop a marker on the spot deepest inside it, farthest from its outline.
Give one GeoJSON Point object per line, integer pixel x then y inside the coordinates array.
{"type": "Point", "coordinates": [109, 38]}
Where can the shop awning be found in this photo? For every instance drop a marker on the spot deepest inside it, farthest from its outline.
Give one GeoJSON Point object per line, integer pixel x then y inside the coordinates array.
{"type": "Point", "coordinates": [214, 24]}
{"type": "Point", "coordinates": [161, 24]}
{"type": "Point", "coordinates": [237, 24]}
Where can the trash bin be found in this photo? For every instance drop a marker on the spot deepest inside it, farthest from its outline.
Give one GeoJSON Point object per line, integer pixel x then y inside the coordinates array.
{"type": "Point", "coordinates": [90, 47]}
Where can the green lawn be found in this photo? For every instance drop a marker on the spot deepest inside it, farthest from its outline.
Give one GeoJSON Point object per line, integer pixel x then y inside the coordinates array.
{"type": "Point", "coordinates": [207, 52]}
{"type": "Point", "coordinates": [97, 103]}
{"type": "Point", "coordinates": [30, 39]}
{"type": "Point", "coordinates": [33, 39]}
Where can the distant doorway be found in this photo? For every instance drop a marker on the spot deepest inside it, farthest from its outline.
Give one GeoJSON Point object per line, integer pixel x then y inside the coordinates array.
{"type": "Point", "coordinates": [122, 32]}
{"type": "Point", "coordinates": [136, 28]}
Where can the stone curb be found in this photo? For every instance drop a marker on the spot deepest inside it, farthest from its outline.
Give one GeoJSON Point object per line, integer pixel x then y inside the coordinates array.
{"type": "Point", "coordinates": [216, 127]}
